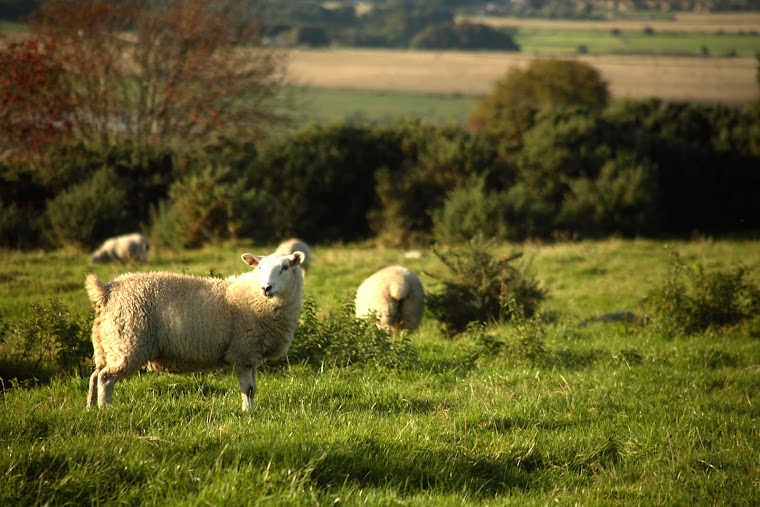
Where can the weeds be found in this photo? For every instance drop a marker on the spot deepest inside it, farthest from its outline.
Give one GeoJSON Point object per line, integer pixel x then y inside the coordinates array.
{"type": "Point", "coordinates": [52, 338]}
{"type": "Point", "coordinates": [341, 340]}
{"type": "Point", "coordinates": [691, 300]}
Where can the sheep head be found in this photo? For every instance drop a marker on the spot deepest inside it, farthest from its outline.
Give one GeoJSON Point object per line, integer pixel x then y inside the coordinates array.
{"type": "Point", "coordinates": [277, 275]}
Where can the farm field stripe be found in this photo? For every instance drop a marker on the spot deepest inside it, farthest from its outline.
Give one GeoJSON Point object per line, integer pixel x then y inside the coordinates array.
{"type": "Point", "coordinates": [727, 80]}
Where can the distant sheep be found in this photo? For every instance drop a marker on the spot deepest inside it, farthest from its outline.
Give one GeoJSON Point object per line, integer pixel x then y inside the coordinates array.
{"type": "Point", "coordinates": [126, 248]}
{"type": "Point", "coordinates": [179, 323]}
{"type": "Point", "coordinates": [396, 295]}
{"type": "Point", "coordinates": [296, 245]}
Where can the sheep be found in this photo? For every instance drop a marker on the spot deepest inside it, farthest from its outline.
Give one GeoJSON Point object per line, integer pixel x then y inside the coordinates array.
{"type": "Point", "coordinates": [178, 323]}
{"type": "Point", "coordinates": [293, 245]}
{"type": "Point", "coordinates": [396, 295]}
{"type": "Point", "coordinates": [127, 248]}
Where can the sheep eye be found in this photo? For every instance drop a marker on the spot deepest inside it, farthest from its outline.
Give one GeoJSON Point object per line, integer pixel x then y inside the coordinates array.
{"type": "Point", "coordinates": [285, 268]}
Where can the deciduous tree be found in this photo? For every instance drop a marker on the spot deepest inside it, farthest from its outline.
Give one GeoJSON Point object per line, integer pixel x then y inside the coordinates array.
{"type": "Point", "coordinates": [511, 107]}
{"type": "Point", "coordinates": [178, 70]}
{"type": "Point", "coordinates": [35, 103]}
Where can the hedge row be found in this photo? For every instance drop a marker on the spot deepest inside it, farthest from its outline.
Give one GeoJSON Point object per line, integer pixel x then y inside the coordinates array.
{"type": "Point", "coordinates": [636, 168]}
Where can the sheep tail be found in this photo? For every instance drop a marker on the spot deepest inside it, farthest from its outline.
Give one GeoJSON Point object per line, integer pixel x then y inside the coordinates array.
{"type": "Point", "coordinates": [96, 291]}
{"type": "Point", "coordinates": [398, 290]}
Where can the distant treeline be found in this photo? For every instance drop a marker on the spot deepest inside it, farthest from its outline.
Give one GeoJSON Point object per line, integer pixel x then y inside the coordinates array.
{"type": "Point", "coordinates": [637, 168]}
{"type": "Point", "coordinates": [413, 24]}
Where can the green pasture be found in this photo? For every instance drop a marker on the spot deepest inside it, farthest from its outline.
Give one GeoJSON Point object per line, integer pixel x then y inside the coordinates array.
{"type": "Point", "coordinates": [329, 104]}
{"type": "Point", "coordinates": [592, 414]}
{"type": "Point", "coordinates": [551, 41]}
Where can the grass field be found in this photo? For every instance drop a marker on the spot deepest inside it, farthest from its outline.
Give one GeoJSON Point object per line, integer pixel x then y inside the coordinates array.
{"type": "Point", "coordinates": [607, 413]}
{"type": "Point", "coordinates": [330, 104]}
{"type": "Point", "coordinates": [546, 41]}
{"type": "Point", "coordinates": [684, 22]}
{"type": "Point", "coordinates": [726, 80]}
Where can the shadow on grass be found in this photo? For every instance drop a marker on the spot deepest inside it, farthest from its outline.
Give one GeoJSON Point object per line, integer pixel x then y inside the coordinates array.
{"type": "Point", "coordinates": [372, 463]}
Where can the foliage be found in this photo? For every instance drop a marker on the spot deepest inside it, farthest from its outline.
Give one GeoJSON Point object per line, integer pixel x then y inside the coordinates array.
{"type": "Point", "coordinates": [467, 36]}
{"type": "Point", "coordinates": [468, 211]}
{"type": "Point", "coordinates": [86, 213]}
{"type": "Point", "coordinates": [212, 204]}
{"type": "Point", "coordinates": [508, 111]}
{"type": "Point", "coordinates": [437, 161]}
{"type": "Point", "coordinates": [51, 337]}
{"type": "Point", "coordinates": [637, 168]}
{"type": "Point", "coordinates": [323, 177]}
{"type": "Point", "coordinates": [311, 36]}
{"type": "Point", "coordinates": [396, 22]}
{"type": "Point", "coordinates": [35, 101]}
{"type": "Point", "coordinates": [12, 225]}
{"type": "Point", "coordinates": [180, 76]}
{"type": "Point", "coordinates": [482, 289]}
{"type": "Point", "coordinates": [587, 181]}
{"type": "Point", "coordinates": [341, 340]}
{"type": "Point", "coordinates": [691, 300]}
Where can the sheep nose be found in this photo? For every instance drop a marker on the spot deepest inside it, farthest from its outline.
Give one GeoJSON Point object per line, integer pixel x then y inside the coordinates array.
{"type": "Point", "coordinates": [266, 289]}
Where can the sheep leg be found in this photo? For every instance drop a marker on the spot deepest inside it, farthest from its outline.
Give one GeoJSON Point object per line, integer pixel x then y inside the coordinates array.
{"type": "Point", "coordinates": [247, 377]}
{"type": "Point", "coordinates": [107, 377]}
{"type": "Point", "coordinates": [92, 394]}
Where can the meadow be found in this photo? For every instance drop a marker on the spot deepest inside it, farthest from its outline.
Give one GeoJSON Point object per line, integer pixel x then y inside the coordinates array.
{"type": "Point", "coordinates": [684, 57]}
{"type": "Point", "coordinates": [550, 410]}
{"type": "Point", "coordinates": [446, 73]}
{"type": "Point", "coordinates": [681, 22]}
{"type": "Point", "coordinates": [323, 105]}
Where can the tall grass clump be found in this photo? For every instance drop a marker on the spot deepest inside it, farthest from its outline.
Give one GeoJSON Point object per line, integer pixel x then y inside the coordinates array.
{"type": "Point", "coordinates": [482, 288]}
{"type": "Point", "coordinates": [341, 339]}
{"type": "Point", "coordinates": [691, 300]}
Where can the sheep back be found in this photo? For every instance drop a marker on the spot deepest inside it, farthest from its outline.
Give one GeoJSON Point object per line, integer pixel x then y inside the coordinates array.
{"type": "Point", "coordinates": [396, 295]}
{"type": "Point", "coordinates": [127, 248]}
{"type": "Point", "coordinates": [296, 245]}
{"type": "Point", "coordinates": [181, 323]}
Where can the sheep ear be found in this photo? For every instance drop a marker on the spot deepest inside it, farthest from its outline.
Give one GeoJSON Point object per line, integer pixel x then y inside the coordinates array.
{"type": "Point", "coordinates": [297, 258]}
{"type": "Point", "coordinates": [250, 259]}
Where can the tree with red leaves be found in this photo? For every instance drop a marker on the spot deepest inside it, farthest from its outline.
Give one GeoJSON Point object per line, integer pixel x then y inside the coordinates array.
{"type": "Point", "coordinates": [182, 70]}
{"type": "Point", "coordinates": [35, 105]}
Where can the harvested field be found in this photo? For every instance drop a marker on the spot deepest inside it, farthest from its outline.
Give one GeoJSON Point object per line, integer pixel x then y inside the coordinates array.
{"type": "Point", "coordinates": [726, 80]}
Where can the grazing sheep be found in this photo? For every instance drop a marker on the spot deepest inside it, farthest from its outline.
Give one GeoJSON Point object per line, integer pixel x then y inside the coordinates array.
{"type": "Point", "coordinates": [127, 248]}
{"type": "Point", "coordinates": [396, 295]}
{"type": "Point", "coordinates": [178, 323]}
{"type": "Point", "coordinates": [296, 245]}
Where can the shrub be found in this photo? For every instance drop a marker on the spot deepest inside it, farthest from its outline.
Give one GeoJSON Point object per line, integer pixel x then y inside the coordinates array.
{"type": "Point", "coordinates": [440, 159]}
{"type": "Point", "coordinates": [468, 211]}
{"type": "Point", "coordinates": [210, 205]}
{"type": "Point", "coordinates": [341, 340]}
{"type": "Point", "coordinates": [52, 337]}
{"type": "Point", "coordinates": [85, 214]}
{"type": "Point", "coordinates": [621, 199]}
{"type": "Point", "coordinates": [12, 224]}
{"type": "Point", "coordinates": [691, 300]}
{"type": "Point", "coordinates": [483, 289]}
{"type": "Point", "coordinates": [324, 178]}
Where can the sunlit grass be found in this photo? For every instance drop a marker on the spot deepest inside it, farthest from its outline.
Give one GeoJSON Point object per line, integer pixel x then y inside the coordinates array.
{"type": "Point", "coordinates": [606, 413]}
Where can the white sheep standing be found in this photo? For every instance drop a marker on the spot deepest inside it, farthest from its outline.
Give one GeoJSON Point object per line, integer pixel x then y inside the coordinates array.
{"type": "Point", "coordinates": [178, 323]}
{"type": "Point", "coordinates": [127, 248]}
{"type": "Point", "coordinates": [296, 245]}
{"type": "Point", "coordinates": [395, 294]}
